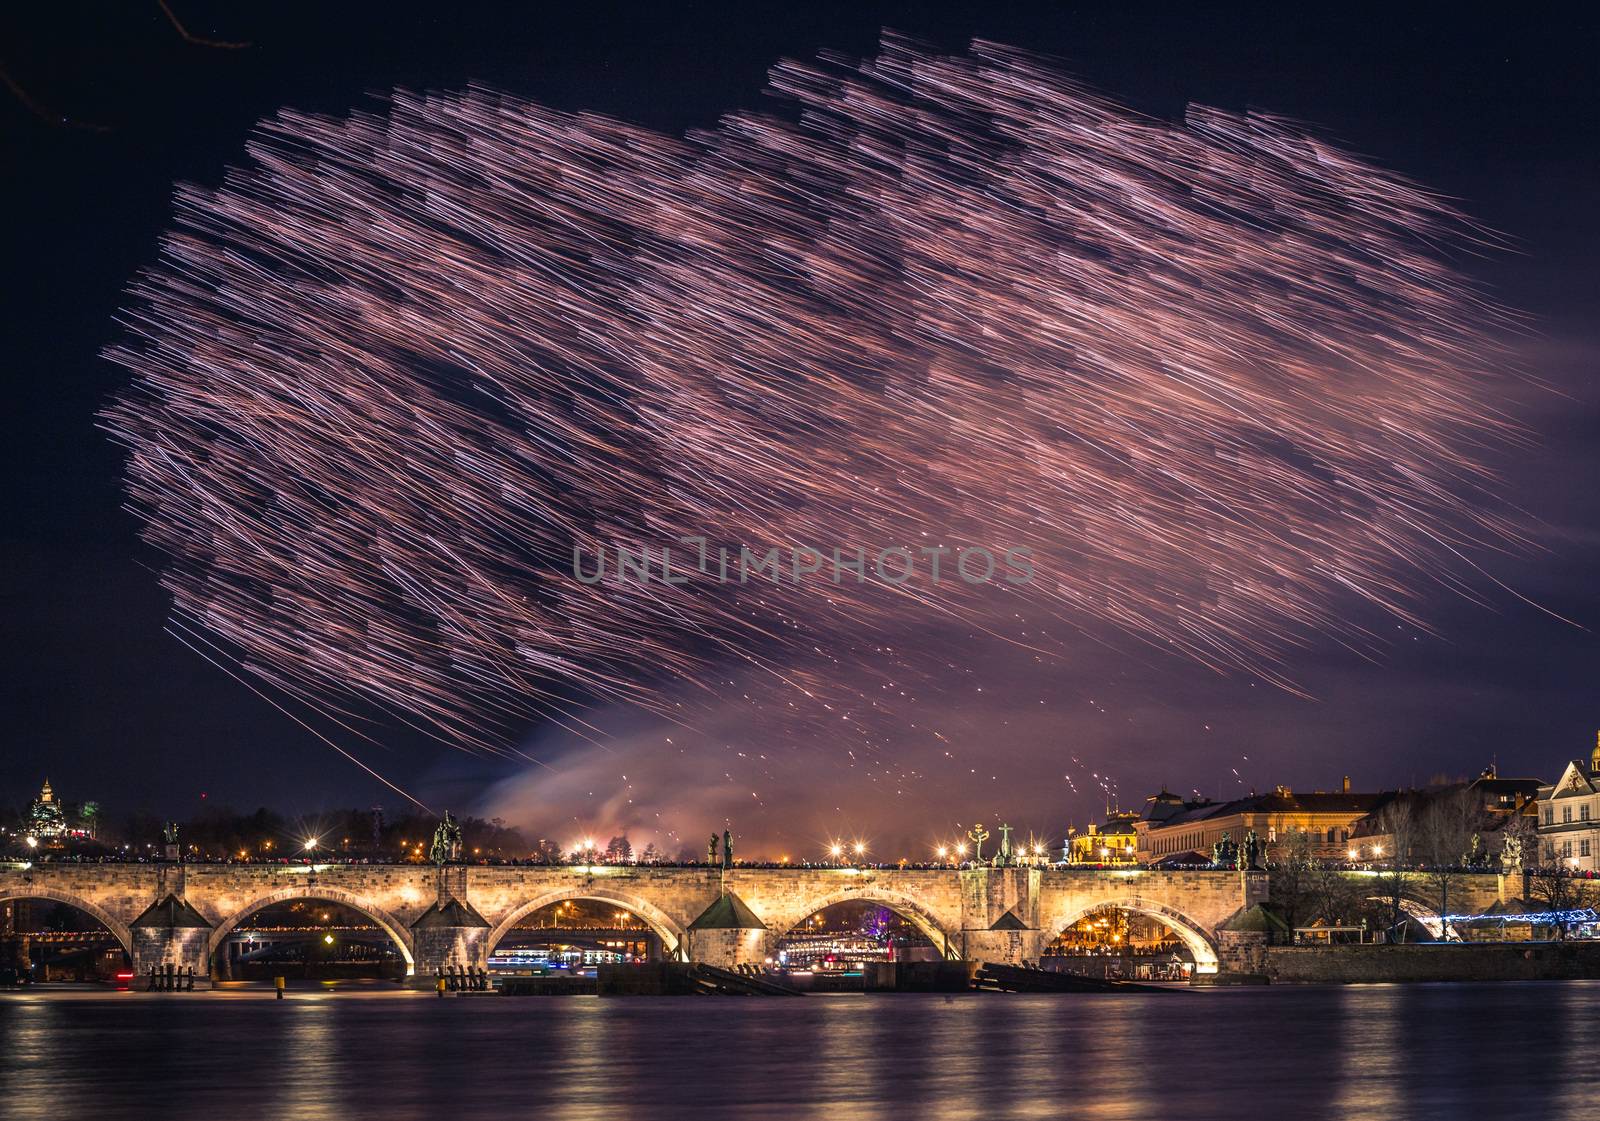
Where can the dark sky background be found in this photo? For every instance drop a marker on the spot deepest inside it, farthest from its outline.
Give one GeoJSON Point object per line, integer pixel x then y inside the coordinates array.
{"type": "Point", "coordinates": [1501, 113]}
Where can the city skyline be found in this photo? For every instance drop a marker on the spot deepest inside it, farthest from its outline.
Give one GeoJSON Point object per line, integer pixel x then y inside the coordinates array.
{"type": "Point", "coordinates": [100, 688]}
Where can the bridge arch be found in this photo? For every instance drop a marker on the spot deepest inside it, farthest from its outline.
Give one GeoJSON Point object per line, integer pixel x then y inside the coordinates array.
{"type": "Point", "coordinates": [1418, 910]}
{"type": "Point", "coordinates": [1194, 936]}
{"type": "Point", "coordinates": [674, 939]}
{"type": "Point", "coordinates": [119, 930]}
{"type": "Point", "coordinates": [903, 905]}
{"type": "Point", "coordinates": [393, 927]}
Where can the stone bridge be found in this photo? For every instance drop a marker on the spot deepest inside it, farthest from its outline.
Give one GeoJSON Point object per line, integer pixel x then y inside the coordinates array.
{"type": "Point", "coordinates": [180, 914]}
{"type": "Point", "coordinates": [457, 915]}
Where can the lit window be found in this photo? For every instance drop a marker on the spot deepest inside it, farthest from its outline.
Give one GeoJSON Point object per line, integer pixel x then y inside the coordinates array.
{"type": "Point", "coordinates": [1566, 814]}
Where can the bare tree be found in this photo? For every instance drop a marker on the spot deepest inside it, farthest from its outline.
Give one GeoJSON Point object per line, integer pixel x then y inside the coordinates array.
{"type": "Point", "coordinates": [1332, 895]}
{"type": "Point", "coordinates": [1397, 821]}
{"type": "Point", "coordinates": [1292, 867]}
{"type": "Point", "coordinates": [1447, 826]}
{"type": "Point", "coordinates": [1563, 891]}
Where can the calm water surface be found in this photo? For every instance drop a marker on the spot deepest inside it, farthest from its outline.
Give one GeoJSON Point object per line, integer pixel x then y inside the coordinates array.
{"type": "Point", "coordinates": [1378, 1051]}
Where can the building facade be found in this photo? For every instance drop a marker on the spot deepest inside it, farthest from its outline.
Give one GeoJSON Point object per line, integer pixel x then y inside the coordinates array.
{"type": "Point", "coordinates": [1569, 815]}
{"type": "Point", "coordinates": [1113, 841]}
{"type": "Point", "coordinates": [1178, 831]}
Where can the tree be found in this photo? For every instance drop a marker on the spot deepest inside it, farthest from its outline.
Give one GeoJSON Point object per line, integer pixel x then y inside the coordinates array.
{"type": "Point", "coordinates": [1332, 896]}
{"type": "Point", "coordinates": [1291, 873]}
{"type": "Point", "coordinates": [619, 850]}
{"type": "Point", "coordinates": [1448, 824]}
{"type": "Point", "coordinates": [1562, 890]}
{"type": "Point", "coordinates": [1397, 821]}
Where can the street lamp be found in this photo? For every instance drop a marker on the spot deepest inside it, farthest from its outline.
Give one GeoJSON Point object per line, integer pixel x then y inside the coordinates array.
{"type": "Point", "coordinates": [836, 851]}
{"type": "Point", "coordinates": [311, 844]}
{"type": "Point", "coordinates": [861, 850]}
{"type": "Point", "coordinates": [33, 842]}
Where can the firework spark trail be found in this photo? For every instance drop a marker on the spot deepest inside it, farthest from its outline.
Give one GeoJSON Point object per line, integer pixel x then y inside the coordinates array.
{"type": "Point", "coordinates": [1219, 376]}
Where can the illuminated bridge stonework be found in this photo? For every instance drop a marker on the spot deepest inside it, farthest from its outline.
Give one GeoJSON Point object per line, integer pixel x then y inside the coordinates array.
{"type": "Point", "coordinates": [179, 914]}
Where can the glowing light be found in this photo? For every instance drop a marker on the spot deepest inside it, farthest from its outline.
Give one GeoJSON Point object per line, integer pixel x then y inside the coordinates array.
{"type": "Point", "coordinates": [328, 938]}
{"type": "Point", "coordinates": [311, 843]}
{"type": "Point", "coordinates": [33, 842]}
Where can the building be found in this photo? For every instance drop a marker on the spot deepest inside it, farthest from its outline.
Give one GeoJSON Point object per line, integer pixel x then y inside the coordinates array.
{"type": "Point", "coordinates": [1569, 815]}
{"type": "Point", "coordinates": [47, 818]}
{"type": "Point", "coordinates": [1177, 831]}
{"type": "Point", "coordinates": [1113, 841]}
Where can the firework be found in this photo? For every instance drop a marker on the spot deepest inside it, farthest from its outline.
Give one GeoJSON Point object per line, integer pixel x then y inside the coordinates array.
{"type": "Point", "coordinates": [1219, 378]}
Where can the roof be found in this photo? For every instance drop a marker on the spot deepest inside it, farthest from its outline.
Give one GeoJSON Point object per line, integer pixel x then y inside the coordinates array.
{"type": "Point", "coordinates": [728, 913]}
{"type": "Point", "coordinates": [1278, 801]}
{"type": "Point", "coordinates": [1166, 806]}
{"type": "Point", "coordinates": [1576, 781]}
{"type": "Point", "coordinates": [1259, 919]}
{"type": "Point", "coordinates": [1009, 921]}
{"type": "Point", "coordinates": [170, 912]}
{"type": "Point", "coordinates": [1507, 907]}
{"type": "Point", "coordinates": [452, 913]}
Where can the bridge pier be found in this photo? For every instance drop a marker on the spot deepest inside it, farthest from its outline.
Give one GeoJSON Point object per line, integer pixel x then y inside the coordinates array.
{"type": "Point", "coordinates": [449, 935]}
{"type": "Point", "coordinates": [171, 933]}
{"type": "Point", "coordinates": [1000, 915]}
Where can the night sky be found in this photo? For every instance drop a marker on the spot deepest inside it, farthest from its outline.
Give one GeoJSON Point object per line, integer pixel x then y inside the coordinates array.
{"type": "Point", "coordinates": [1500, 114]}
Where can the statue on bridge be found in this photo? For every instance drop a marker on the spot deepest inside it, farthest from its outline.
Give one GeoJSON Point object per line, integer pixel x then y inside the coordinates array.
{"type": "Point", "coordinates": [1005, 858]}
{"type": "Point", "coordinates": [727, 849]}
{"type": "Point", "coordinates": [446, 846]}
{"type": "Point", "coordinates": [1511, 855]}
{"type": "Point", "coordinates": [711, 850]}
{"type": "Point", "coordinates": [169, 834]}
{"type": "Point", "coordinates": [977, 835]}
{"type": "Point", "coordinates": [1250, 854]}
{"type": "Point", "coordinates": [1224, 853]}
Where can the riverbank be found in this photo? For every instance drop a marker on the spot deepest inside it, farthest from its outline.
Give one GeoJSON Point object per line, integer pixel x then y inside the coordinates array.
{"type": "Point", "coordinates": [1454, 961]}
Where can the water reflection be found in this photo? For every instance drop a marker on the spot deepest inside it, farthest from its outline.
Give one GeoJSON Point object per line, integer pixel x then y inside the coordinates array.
{"type": "Point", "coordinates": [1428, 1051]}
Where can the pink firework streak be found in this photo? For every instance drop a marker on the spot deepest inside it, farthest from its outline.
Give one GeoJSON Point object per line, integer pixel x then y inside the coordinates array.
{"type": "Point", "coordinates": [1220, 377]}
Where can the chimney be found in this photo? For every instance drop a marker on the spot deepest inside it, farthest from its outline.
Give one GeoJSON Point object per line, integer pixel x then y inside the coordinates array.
{"type": "Point", "coordinates": [1347, 784]}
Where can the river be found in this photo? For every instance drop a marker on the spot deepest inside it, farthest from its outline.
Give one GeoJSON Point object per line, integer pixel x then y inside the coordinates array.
{"type": "Point", "coordinates": [1378, 1051]}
